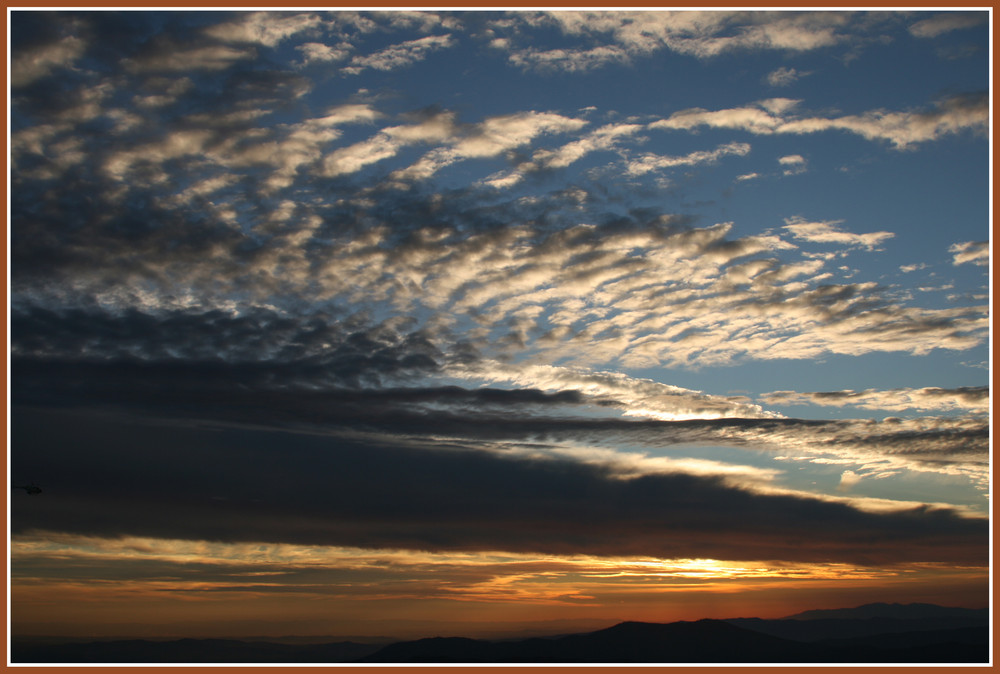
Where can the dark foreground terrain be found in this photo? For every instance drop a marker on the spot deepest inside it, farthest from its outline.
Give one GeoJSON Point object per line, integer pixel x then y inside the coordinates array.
{"type": "Point", "coordinates": [876, 633]}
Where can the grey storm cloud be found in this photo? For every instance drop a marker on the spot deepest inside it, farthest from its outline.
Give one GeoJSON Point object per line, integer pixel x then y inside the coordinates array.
{"type": "Point", "coordinates": [109, 478]}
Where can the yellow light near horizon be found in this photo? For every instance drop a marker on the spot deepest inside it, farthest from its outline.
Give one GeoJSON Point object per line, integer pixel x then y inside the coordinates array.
{"type": "Point", "coordinates": [209, 587]}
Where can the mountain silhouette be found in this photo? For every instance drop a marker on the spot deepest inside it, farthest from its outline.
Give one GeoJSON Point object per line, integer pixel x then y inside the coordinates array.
{"type": "Point", "coordinates": [896, 611]}
{"type": "Point", "coordinates": [631, 642]}
{"type": "Point", "coordinates": [189, 651]}
{"type": "Point", "coordinates": [929, 635]}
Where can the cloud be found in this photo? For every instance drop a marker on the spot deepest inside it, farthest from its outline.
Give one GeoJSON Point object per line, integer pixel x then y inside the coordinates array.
{"type": "Point", "coordinates": [355, 576]}
{"type": "Point", "coordinates": [636, 397]}
{"type": "Point", "coordinates": [782, 77]}
{"type": "Point", "coordinates": [901, 129]}
{"type": "Point", "coordinates": [166, 55]}
{"type": "Point", "coordinates": [570, 60]}
{"type": "Point", "coordinates": [974, 252]}
{"type": "Point", "coordinates": [376, 494]}
{"type": "Point", "coordinates": [604, 138]}
{"type": "Point", "coordinates": [829, 232]}
{"type": "Point", "coordinates": [947, 22]}
{"type": "Point", "coordinates": [264, 28]}
{"type": "Point", "coordinates": [317, 52]}
{"type": "Point", "coordinates": [400, 55]}
{"type": "Point", "coordinates": [651, 162]}
{"type": "Point", "coordinates": [659, 290]}
{"type": "Point", "coordinates": [489, 138]}
{"type": "Point", "coordinates": [624, 36]}
{"type": "Point", "coordinates": [796, 164]}
{"type": "Point", "coordinates": [972, 398]}
{"type": "Point", "coordinates": [269, 370]}
{"type": "Point", "coordinates": [387, 143]}
{"type": "Point", "coordinates": [30, 65]}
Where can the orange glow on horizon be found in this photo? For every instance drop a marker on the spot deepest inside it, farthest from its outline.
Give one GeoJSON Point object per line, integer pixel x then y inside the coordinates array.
{"type": "Point", "coordinates": [195, 587]}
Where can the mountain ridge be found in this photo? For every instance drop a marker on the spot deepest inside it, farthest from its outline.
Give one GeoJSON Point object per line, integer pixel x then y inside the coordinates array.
{"type": "Point", "coordinates": [932, 635]}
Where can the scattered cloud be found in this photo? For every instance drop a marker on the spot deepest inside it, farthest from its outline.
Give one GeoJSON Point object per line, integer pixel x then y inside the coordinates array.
{"type": "Point", "coordinates": [624, 36]}
{"type": "Point", "coordinates": [902, 129]}
{"type": "Point", "coordinates": [796, 164]}
{"type": "Point", "coordinates": [400, 55]}
{"type": "Point", "coordinates": [35, 63]}
{"type": "Point", "coordinates": [170, 56]}
{"type": "Point", "coordinates": [929, 399]}
{"type": "Point", "coordinates": [603, 138]}
{"type": "Point", "coordinates": [947, 22]}
{"type": "Point", "coordinates": [971, 252]}
{"type": "Point", "coordinates": [317, 52]}
{"type": "Point", "coordinates": [264, 28]}
{"type": "Point", "coordinates": [783, 77]}
{"type": "Point", "coordinates": [830, 232]}
{"type": "Point", "coordinates": [651, 162]}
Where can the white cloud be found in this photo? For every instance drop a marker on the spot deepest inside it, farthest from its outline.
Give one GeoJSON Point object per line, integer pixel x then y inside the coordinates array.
{"type": "Point", "coordinates": [704, 34]}
{"type": "Point", "coordinates": [829, 232]}
{"type": "Point", "coordinates": [317, 52]}
{"type": "Point", "coordinates": [264, 28]}
{"type": "Point", "coordinates": [974, 252]}
{"type": "Point", "coordinates": [848, 479]}
{"type": "Point", "coordinates": [491, 137]}
{"type": "Point", "coordinates": [782, 77]}
{"type": "Point", "coordinates": [571, 60]}
{"type": "Point", "coordinates": [796, 164]}
{"type": "Point", "coordinates": [651, 162]}
{"type": "Point", "coordinates": [30, 65]}
{"type": "Point", "coordinates": [633, 396]}
{"type": "Point", "coordinates": [603, 138]}
{"type": "Point", "coordinates": [388, 142]}
{"type": "Point", "coordinates": [400, 55]}
{"type": "Point", "coordinates": [945, 23]}
{"type": "Point", "coordinates": [974, 399]}
{"type": "Point", "coordinates": [902, 129]}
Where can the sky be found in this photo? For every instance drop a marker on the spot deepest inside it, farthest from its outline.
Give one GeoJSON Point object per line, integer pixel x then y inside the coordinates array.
{"type": "Point", "coordinates": [419, 323]}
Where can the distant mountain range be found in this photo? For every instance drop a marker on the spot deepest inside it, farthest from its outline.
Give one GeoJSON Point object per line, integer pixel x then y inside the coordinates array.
{"type": "Point", "coordinates": [874, 633]}
{"type": "Point", "coordinates": [896, 611]}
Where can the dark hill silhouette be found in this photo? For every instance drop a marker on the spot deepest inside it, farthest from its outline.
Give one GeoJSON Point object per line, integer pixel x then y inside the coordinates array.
{"type": "Point", "coordinates": [704, 641]}
{"type": "Point", "coordinates": [189, 651]}
{"type": "Point", "coordinates": [932, 635]}
{"type": "Point", "coordinates": [630, 642]}
{"type": "Point", "coordinates": [822, 629]}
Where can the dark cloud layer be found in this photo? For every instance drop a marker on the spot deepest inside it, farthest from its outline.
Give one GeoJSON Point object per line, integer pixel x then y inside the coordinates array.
{"type": "Point", "coordinates": [109, 477]}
